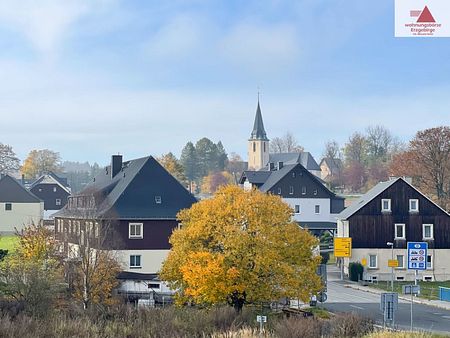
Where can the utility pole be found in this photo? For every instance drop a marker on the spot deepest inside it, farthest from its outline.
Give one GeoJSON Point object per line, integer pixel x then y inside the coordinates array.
{"type": "Point", "coordinates": [391, 244]}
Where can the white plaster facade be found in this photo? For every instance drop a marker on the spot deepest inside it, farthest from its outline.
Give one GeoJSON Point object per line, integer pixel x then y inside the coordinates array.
{"type": "Point", "coordinates": [308, 209]}
{"type": "Point", "coordinates": [151, 260]}
{"type": "Point", "coordinates": [438, 269]}
{"type": "Point", "coordinates": [21, 214]}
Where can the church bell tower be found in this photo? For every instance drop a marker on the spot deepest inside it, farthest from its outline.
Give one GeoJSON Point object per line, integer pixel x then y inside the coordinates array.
{"type": "Point", "coordinates": [258, 144]}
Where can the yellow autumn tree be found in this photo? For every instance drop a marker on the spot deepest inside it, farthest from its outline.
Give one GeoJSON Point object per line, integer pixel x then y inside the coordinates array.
{"type": "Point", "coordinates": [240, 247]}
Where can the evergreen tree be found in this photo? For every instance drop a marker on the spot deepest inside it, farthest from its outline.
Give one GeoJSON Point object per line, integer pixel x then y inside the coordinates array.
{"type": "Point", "coordinates": [206, 156]}
{"type": "Point", "coordinates": [188, 160]}
{"type": "Point", "coordinates": [222, 157]}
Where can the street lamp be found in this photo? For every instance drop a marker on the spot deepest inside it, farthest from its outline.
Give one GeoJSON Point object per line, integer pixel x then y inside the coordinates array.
{"type": "Point", "coordinates": [391, 244]}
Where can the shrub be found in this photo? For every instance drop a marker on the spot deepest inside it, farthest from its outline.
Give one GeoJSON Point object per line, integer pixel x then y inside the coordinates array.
{"type": "Point", "coordinates": [298, 327]}
{"type": "Point", "coordinates": [350, 325]}
{"type": "Point", "coordinates": [356, 271]}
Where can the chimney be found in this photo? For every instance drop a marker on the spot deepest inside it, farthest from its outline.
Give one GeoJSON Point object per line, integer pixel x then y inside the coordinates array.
{"type": "Point", "coordinates": [116, 165]}
{"type": "Point", "coordinates": [271, 166]}
{"type": "Point", "coordinates": [280, 165]}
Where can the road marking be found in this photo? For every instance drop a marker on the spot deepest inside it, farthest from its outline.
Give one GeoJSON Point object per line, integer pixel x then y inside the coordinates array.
{"type": "Point", "coordinates": [446, 317]}
{"type": "Point", "coordinates": [357, 307]}
{"type": "Point", "coordinates": [437, 313]}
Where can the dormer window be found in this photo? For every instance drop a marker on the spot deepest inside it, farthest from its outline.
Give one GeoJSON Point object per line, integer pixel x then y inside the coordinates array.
{"type": "Point", "coordinates": [158, 200]}
{"type": "Point", "coordinates": [386, 205]}
{"type": "Point", "coordinates": [413, 205]}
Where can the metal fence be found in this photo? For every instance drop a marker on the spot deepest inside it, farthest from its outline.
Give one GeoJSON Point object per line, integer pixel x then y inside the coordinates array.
{"type": "Point", "coordinates": [444, 294]}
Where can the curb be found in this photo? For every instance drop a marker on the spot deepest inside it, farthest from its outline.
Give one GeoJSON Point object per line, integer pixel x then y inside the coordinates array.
{"type": "Point", "coordinates": [417, 301]}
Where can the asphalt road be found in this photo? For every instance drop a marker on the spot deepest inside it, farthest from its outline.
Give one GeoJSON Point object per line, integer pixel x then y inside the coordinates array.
{"type": "Point", "coordinates": [345, 299]}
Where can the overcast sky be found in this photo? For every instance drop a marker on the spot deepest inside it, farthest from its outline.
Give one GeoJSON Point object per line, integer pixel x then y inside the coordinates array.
{"type": "Point", "coordinates": [90, 78]}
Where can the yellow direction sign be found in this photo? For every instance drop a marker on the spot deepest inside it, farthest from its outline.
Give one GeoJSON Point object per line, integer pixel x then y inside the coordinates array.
{"type": "Point", "coordinates": [342, 247]}
{"type": "Point", "coordinates": [393, 263]}
{"type": "Point", "coordinates": [364, 262]}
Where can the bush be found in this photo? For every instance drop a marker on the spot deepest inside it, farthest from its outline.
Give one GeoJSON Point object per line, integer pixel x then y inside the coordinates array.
{"type": "Point", "coordinates": [350, 325]}
{"type": "Point", "coordinates": [356, 271]}
{"type": "Point", "coordinates": [298, 327]}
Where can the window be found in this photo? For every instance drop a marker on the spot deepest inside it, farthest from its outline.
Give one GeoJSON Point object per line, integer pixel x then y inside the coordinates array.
{"type": "Point", "coordinates": [279, 191]}
{"type": "Point", "coordinates": [153, 286]}
{"type": "Point", "coordinates": [8, 206]}
{"type": "Point", "coordinates": [158, 199]}
{"type": "Point", "coordinates": [414, 205]}
{"type": "Point", "coordinates": [400, 231]}
{"type": "Point", "coordinates": [293, 175]}
{"type": "Point", "coordinates": [297, 208]}
{"type": "Point", "coordinates": [401, 263]}
{"type": "Point", "coordinates": [54, 189]}
{"type": "Point", "coordinates": [315, 191]}
{"type": "Point", "coordinates": [427, 231]}
{"type": "Point", "coordinates": [254, 146]}
{"type": "Point", "coordinates": [264, 146]}
{"type": "Point", "coordinates": [429, 262]}
{"type": "Point", "coordinates": [135, 261]}
{"type": "Point", "coordinates": [291, 190]}
{"type": "Point", "coordinates": [373, 261]}
{"type": "Point", "coordinates": [303, 190]}
{"type": "Point", "coordinates": [317, 209]}
{"type": "Point", "coordinates": [58, 201]}
{"type": "Point", "coordinates": [97, 230]}
{"type": "Point", "coordinates": [135, 230]}
{"type": "Point", "coordinates": [386, 205]}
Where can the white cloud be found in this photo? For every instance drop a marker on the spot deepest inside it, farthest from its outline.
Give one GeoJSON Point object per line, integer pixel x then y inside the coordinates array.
{"type": "Point", "coordinates": [261, 47]}
{"type": "Point", "coordinates": [45, 22]}
{"type": "Point", "coordinates": [179, 37]}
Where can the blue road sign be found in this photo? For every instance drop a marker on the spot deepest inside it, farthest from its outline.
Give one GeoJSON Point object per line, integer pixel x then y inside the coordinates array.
{"type": "Point", "coordinates": [417, 255]}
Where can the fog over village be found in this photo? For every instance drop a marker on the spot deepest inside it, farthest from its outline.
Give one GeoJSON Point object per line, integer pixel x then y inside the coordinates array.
{"type": "Point", "coordinates": [224, 169]}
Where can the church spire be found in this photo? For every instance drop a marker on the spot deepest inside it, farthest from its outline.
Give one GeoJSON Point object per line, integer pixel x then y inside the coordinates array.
{"type": "Point", "coordinates": [258, 132]}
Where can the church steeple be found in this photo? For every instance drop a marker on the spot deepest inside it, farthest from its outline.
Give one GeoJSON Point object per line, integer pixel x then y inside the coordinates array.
{"type": "Point", "coordinates": [258, 132]}
{"type": "Point", "coordinates": [258, 143]}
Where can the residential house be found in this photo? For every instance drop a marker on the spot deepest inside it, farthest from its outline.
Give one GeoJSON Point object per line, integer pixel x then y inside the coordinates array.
{"type": "Point", "coordinates": [53, 190]}
{"type": "Point", "coordinates": [331, 169]}
{"type": "Point", "coordinates": [131, 207]}
{"type": "Point", "coordinates": [396, 212]}
{"type": "Point", "coordinates": [315, 206]}
{"type": "Point", "coordinates": [18, 206]}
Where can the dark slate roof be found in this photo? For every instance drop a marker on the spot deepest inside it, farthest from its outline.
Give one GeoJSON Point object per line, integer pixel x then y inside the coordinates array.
{"type": "Point", "coordinates": [332, 163]}
{"type": "Point", "coordinates": [304, 158]}
{"type": "Point", "coordinates": [51, 178]}
{"type": "Point", "coordinates": [131, 193]}
{"type": "Point", "coordinates": [267, 179]}
{"type": "Point", "coordinates": [258, 132]}
{"type": "Point", "coordinates": [13, 191]}
{"type": "Point", "coordinates": [276, 176]}
{"type": "Point", "coordinates": [137, 276]}
{"type": "Point", "coordinates": [255, 177]}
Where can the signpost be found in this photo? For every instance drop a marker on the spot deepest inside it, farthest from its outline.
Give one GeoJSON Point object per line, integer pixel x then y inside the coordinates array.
{"type": "Point", "coordinates": [342, 248]}
{"type": "Point", "coordinates": [261, 320]}
{"type": "Point", "coordinates": [417, 260]}
{"type": "Point", "coordinates": [389, 304]}
{"type": "Point", "coordinates": [411, 290]}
